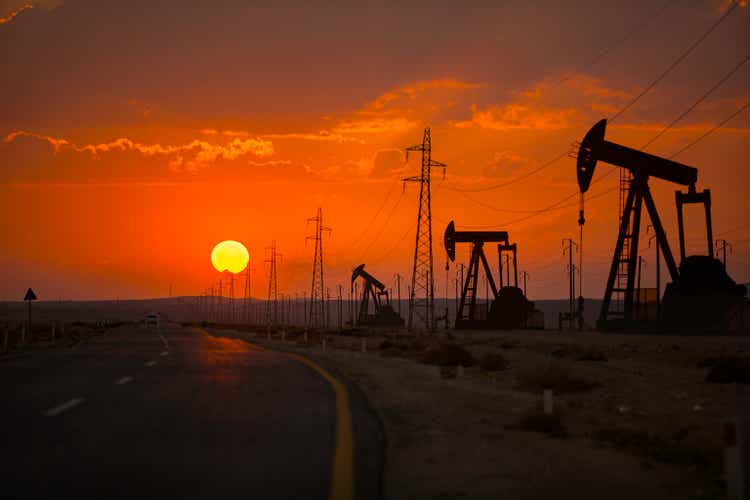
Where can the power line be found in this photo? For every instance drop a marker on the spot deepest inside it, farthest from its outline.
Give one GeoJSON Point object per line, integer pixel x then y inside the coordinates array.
{"type": "Point", "coordinates": [675, 63]}
{"type": "Point", "coordinates": [359, 238]}
{"type": "Point", "coordinates": [699, 100]}
{"type": "Point", "coordinates": [712, 130]}
{"type": "Point", "coordinates": [608, 50]}
{"type": "Point", "coordinates": [382, 229]}
{"type": "Point", "coordinates": [514, 180]}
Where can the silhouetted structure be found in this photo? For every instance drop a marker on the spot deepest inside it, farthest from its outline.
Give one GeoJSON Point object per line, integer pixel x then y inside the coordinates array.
{"type": "Point", "coordinates": [509, 308]}
{"type": "Point", "coordinates": [317, 317]}
{"type": "Point", "coordinates": [383, 313]}
{"type": "Point", "coordinates": [422, 294]}
{"type": "Point", "coordinates": [272, 302]}
{"type": "Point", "coordinates": [701, 293]}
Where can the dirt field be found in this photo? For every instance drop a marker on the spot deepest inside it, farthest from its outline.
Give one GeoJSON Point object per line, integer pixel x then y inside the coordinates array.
{"type": "Point", "coordinates": [634, 414]}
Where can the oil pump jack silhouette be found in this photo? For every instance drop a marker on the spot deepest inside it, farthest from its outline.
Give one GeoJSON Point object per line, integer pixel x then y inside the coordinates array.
{"type": "Point", "coordinates": [383, 313]}
{"type": "Point", "coordinates": [701, 294]}
{"type": "Point", "coordinates": [509, 307]}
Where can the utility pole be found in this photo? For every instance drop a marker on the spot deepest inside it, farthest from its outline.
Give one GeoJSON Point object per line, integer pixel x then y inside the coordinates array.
{"type": "Point", "coordinates": [341, 307]}
{"type": "Point", "coordinates": [569, 249]}
{"type": "Point", "coordinates": [525, 276]}
{"type": "Point", "coordinates": [422, 293]}
{"type": "Point", "coordinates": [721, 246]}
{"type": "Point", "coordinates": [272, 302]}
{"type": "Point", "coordinates": [447, 284]}
{"type": "Point", "coordinates": [328, 307]}
{"type": "Point", "coordinates": [221, 304]}
{"type": "Point", "coordinates": [641, 260]}
{"type": "Point", "coordinates": [247, 295]}
{"type": "Point", "coordinates": [398, 291]}
{"type": "Point", "coordinates": [317, 297]}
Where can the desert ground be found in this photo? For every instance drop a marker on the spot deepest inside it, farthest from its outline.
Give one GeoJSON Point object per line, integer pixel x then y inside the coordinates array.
{"type": "Point", "coordinates": [635, 416]}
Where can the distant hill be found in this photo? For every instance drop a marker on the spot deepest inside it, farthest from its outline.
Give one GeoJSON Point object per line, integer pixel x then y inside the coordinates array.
{"type": "Point", "coordinates": [185, 309]}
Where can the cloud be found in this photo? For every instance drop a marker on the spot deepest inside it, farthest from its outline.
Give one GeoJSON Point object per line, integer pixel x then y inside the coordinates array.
{"type": "Point", "coordinates": [375, 126]}
{"type": "Point", "coordinates": [413, 90]}
{"type": "Point", "coordinates": [12, 14]}
{"type": "Point", "coordinates": [387, 163]}
{"type": "Point", "coordinates": [518, 117]}
{"type": "Point", "coordinates": [191, 156]}
{"type": "Point", "coordinates": [548, 105]}
{"type": "Point", "coordinates": [403, 108]}
{"type": "Point", "coordinates": [505, 163]}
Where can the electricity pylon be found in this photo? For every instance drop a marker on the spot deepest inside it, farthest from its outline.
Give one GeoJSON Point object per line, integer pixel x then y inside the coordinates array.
{"type": "Point", "coordinates": [317, 315]}
{"type": "Point", "coordinates": [422, 294]}
{"type": "Point", "coordinates": [272, 303]}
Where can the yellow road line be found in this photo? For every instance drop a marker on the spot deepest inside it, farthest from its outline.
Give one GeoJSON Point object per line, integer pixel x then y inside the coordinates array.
{"type": "Point", "coordinates": [342, 477]}
{"type": "Point", "coordinates": [342, 474]}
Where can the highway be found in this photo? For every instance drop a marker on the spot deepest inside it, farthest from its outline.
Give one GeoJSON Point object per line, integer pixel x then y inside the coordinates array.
{"type": "Point", "coordinates": [184, 413]}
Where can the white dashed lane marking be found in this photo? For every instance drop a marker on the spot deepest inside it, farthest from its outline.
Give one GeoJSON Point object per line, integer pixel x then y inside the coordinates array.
{"type": "Point", "coordinates": [124, 380]}
{"type": "Point", "coordinates": [63, 407]}
{"type": "Point", "coordinates": [151, 363]}
{"type": "Point", "coordinates": [164, 353]}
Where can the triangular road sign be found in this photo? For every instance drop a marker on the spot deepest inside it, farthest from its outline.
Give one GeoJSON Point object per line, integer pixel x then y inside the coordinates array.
{"type": "Point", "coordinates": [30, 295]}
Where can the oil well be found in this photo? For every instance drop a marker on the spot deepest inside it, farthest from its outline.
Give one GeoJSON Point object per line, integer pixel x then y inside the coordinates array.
{"type": "Point", "coordinates": [374, 291]}
{"type": "Point", "coordinates": [701, 294]}
{"type": "Point", "coordinates": [509, 307]}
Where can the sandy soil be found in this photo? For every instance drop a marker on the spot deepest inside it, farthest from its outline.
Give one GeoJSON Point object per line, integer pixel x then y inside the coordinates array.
{"type": "Point", "coordinates": [649, 429]}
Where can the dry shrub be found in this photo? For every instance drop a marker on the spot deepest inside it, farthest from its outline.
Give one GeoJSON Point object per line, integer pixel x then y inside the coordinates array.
{"type": "Point", "coordinates": [592, 354]}
{"type": "Point", "coordinates": [536, 420]}
{"type": "Point", "coordinates": [556, 377]}
{"type": "Point", "coordinates": [727, 370]}
{"type": "Point", "coordinates": [447, 354]}
{"type": "Point", "coordinates": [658, 448]}
{"type": "Point", "coordinates": [492, 362]}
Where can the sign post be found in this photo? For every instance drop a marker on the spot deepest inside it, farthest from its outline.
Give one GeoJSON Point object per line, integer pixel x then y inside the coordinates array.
{"type": "Point", "coordinates": [30, 295]}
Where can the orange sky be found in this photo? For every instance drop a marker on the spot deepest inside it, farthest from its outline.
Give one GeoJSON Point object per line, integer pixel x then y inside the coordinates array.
{"type": "Point", "coordinates": [136, 137]}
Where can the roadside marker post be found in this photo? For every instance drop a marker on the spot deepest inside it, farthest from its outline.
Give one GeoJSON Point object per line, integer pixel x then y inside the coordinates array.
{"type": "Point", "coordinates": [29, 297]}
{"type": "Point", "coordinates": [549, 402]}
{"type": "Point", "coordinates": [54, 325]}
{"type": "Point", "coordinates": [732, 441]}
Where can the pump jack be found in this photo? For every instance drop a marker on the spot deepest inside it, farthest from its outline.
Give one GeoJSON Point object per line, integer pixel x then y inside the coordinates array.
{"type": "Point", "coordinates": [701, 293]}
{"type": "Point", "coordinates": [509, 308]}
{"type": "Point", "coordinates": [384, 315]}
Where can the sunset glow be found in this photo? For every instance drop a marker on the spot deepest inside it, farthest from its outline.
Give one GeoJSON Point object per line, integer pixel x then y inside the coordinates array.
{"type": "Point", "coordinates": [230, 256]}
{"type": "Point", "coordinates": [174, 144]}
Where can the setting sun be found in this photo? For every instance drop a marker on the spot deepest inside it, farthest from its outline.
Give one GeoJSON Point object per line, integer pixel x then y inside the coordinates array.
{"type": "Point", "coordinates": [230, 256]}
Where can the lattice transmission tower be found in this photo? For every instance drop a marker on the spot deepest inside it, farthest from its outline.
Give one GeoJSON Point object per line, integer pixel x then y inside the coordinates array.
{"type": "Point", "coordinates": [272, 302]}
{"type": "Point", "coordinates": [422, 294]}
{"type": "Point", "coordinates": [317, 316]}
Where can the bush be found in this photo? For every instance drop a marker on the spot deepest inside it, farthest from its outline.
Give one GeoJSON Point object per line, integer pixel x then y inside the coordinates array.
{"type": "Point", "coordinates": [448, 354]}
{"type": "Point", "coordinates": [670, 451]}
{"type": "Point", "coordinates": [592, 354]}
{"type": "Point", "coordinates": [555, 377]}
{"type": "Point", "coordinates": [728, 370]}
{"type": "Point", "coordinates": [536, 420]}
{"type": "Point", "coordinates": [493, 363]}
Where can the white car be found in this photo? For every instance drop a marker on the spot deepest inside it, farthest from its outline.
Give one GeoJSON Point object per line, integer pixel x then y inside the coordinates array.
{"type": "Point", "coordinates": [152, 320]}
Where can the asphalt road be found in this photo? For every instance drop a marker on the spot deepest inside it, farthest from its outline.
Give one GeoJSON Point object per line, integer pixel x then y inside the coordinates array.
{"type": "Point", "coordinates": [132, 415]}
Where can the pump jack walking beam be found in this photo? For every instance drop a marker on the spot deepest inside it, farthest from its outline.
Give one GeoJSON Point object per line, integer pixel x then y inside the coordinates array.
{"type": "Point", "coordinates": [642, 166]}
{"type": "Point", "coordinates": [469, 289]}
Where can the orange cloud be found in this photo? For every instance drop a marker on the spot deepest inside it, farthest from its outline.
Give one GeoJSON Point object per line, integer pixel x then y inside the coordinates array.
{"type": "Point", "coordinates": [12, 15]}
{"type": "Point", "coordinates": [548, 105]}
{"type": "Point", "coordinates": [518, 117]}
{"type": "Point", "coordinates": [191, 156]}
{"type": "Point", "coordinates": [412, 90]}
